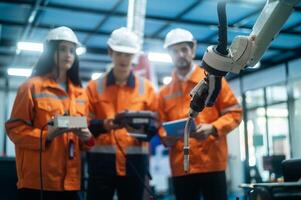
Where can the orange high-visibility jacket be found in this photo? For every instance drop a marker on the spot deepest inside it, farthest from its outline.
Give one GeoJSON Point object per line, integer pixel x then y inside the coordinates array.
{"type": "Point", "coordinates": [209, 155]}
{"type": "Point", "coordinates": [37, 101]}
{"type": "Point", "coordinates": [106, 99]}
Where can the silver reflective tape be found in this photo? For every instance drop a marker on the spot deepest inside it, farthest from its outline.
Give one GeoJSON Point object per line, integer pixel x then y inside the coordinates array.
{"type": "Point", "coordinates": [100, 85]}
{"type": "Point", "coordinates": [103, 149]}
{"type": "Point", "coordinates": [230, 108]}
{"type": "Point", "coordinates": [173, 95]}
{"type": "Point", "coordinates": [141, 86]}
{"type": "Point", "coordinates": [47, 95]}
{"type": "Point", "coordinates": [137, 150]}
{"type": "Point", "coordinates": [13, 120]}
{"type": "Point", "coordinates": [80, 101]}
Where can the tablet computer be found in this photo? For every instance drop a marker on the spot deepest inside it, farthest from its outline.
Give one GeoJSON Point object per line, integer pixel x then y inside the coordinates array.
{"type": "Point", "coordinates": [176, 128]}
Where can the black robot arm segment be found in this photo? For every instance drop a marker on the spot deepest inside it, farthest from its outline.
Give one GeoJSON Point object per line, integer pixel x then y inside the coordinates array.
{"type": "Point", "coordinates": [205, 92]}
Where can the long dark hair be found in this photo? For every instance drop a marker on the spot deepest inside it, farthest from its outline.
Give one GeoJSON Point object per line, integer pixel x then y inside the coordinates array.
{"type": "Point", "coordinates": [46, 63]}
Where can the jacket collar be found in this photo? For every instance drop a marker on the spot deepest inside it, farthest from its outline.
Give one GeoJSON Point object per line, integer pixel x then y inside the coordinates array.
{"type": "Point", "coordinates": [48, 81]}
{"type": "Point", "coordinates": [194, 76]}
{"type": "Point", "coordinates": [197, 75]}
{"type": "Point", "coordinates": [112, 81]}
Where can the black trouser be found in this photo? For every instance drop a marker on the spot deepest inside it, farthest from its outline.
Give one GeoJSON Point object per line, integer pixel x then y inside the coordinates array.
{"type": "Point", "coordinates": [212, 186]}
{"type": "Point", "coordinates": [103, 187]}
{"type": "Point", "coordinates": [31, 194]}
{"type": "Point", "coordinates": [103, 180]}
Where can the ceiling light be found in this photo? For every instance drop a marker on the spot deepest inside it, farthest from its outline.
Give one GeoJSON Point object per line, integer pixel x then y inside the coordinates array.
{"type": "Point", "coordinates": [95, 76]}
{"type": "Point", "coordinates": [159, 57]}
{"type": "Point", "coordinates": [81, 51]}
{"type": "Point", "coordinates": [19, 71]}
{"type": "Point", "coordinates": [166, 80]}
{"type": "Point", "coordinates": [30, 46]}
{"type": "Point", "coordinates": [38, 47]}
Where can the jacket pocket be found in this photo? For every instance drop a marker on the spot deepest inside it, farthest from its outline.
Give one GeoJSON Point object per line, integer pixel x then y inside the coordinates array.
{"type": "Point", "coordinates": [49, 106]}
{"type": "Point", "coordinates": [48, 109]}
{"type": "Point", "coordinates": [138, 104]}
{"type": "Point", "coordinates": [170, 110]}
{"type": "Point", "coordinates": [104, 108]}
{"type": "Point", "coordinates": [81, 107]}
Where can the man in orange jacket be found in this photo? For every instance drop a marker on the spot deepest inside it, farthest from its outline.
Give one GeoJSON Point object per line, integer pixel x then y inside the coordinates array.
{"type": "Point", "coordinates": [118, 161]}
{"type": "Point", "coordinates": [208, 144]}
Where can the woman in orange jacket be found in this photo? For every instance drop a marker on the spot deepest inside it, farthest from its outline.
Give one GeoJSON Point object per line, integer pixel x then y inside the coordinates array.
{"type": "Point", "coordinates": [48, 158]}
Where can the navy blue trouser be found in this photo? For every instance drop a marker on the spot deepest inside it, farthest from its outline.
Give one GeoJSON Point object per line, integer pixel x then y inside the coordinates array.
{"type": "Point", "coordinates": [210, 186]}
{"type": "Point", "coordinates": [32, 194]}
{"type": "Point", "coordinates": [103, 188]}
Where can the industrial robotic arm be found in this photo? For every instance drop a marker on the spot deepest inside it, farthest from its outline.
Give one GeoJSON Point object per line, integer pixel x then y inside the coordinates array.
{"type": "Point", "coordinates": [244, 51]}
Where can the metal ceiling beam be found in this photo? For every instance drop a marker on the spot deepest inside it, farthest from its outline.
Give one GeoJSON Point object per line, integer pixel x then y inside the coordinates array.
{"type": "Point", "coordinates": [178, 17]}
{"type": "Point", "coordinates": [31, 19]}
{"type": "Point", "coordinates": [237, 23]}
{"type": "Point", "coordinates": [148, 16]}
{"type": "Point", "coordinates": [96, 11]}
{"type": "Point", "coordinates": [28, 25]}
{"type": "Point", "coordinates": [7, 43]}
{"type": "Point", "coordinates": [155, 17]}
{"type": "Point", "coordinates": [29, 2]}
{"type": "Point", "coordinates": [103, 21]}
{"type": "Point", "coordinates": [294, 26]}
{"type": "Point", "coordinates": [297, 54]}
{"type": "Point", "coordinates": [48, 26]}
{"type": "Point", "coordinates": [213, 24]}
{"type": "Point", "coordinates": [161, 18]}
{"type": "Point", "coordinates": [37, 18]}
{"type": "Point", "coordinates": [7, 53]}
{"type": "Point", "coordinates": [24, 2]}
{"type": "Point", "coordinates": [105, 33]}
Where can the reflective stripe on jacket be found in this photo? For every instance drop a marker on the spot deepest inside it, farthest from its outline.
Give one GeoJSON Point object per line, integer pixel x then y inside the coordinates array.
{"type": "Point", "coordinates": [211, 154]}
{"type": "Point", "coordinates": [106, 99]}
{"type": "Point", "coordinates": [37, 101]}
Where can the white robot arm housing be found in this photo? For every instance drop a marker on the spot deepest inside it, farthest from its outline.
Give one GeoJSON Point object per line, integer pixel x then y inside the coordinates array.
{"type": "Point", "coordinates": [248, 50]}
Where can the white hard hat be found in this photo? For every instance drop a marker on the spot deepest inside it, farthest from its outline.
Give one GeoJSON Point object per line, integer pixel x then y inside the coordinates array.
{"type": "Point", "coordinates": [124, 40]}
{"type": "Point", "coordinates": [176, 36]}
{"type": "Point", "coordinates": [62, 33]}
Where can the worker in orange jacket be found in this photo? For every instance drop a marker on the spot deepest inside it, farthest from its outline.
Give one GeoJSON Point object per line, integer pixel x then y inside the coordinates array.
{"type": "Point", "coordinates": [54, 89]}
{"type": "Point", "coordinates": [208, 144]}
{"type": "Point", "coordinates": [118, 161]}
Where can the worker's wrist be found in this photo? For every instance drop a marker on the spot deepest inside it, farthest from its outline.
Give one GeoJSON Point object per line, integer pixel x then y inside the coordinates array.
{"type": "Point", "coordinates": [214, 131]}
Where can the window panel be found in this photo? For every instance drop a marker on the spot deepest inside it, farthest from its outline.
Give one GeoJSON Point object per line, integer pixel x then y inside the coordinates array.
{"type": "Point", "coordinates": [276, 93]}
{"type": "Point", "coordinates": [254, 98]}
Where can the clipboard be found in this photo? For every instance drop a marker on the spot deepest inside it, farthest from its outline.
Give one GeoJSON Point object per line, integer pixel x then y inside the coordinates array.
{"type": "Point", "coordinates": [176, 128]}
